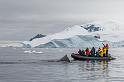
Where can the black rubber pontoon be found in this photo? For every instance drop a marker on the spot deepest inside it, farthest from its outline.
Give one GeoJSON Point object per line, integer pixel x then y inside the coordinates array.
{"type": "Point", "coordinates": [79, 57]}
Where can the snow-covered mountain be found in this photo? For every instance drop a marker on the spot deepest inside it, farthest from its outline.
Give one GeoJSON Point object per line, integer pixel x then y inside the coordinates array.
{"type": "Point", "coordinates": [106, 26]}
{"type": "Point", "coordinates": [81, 36]}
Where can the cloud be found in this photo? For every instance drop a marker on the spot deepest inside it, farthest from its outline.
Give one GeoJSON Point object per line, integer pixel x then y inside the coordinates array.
{"type": "Point", "coordinates": [27, 17]}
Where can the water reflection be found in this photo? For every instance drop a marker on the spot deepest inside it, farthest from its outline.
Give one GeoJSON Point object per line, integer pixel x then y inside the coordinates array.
{"type": "Point", "coordinates": [92, 65]}
{"type": "Point", "coordinates": [94, 70]}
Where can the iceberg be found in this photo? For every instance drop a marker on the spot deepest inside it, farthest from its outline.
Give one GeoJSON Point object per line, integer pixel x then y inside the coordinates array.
{"type": "Point", "coordinates": [73, 42]}
{"type": "Point", "coordinates": [86, 35]}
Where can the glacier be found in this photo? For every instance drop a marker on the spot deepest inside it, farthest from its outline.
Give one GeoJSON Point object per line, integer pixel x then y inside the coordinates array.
{"type": "Point", "coordinates": [82, 36]}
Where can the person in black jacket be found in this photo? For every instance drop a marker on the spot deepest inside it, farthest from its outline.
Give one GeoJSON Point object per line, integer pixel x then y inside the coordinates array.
{"type": "Point", "coordinates": [80, 52]}
{"type": "Point", "coordinates": [93, 52]}
{"type": "Point", "coordinates": [83, 53]}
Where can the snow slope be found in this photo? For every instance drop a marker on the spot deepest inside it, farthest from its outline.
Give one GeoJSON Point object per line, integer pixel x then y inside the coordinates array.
{"type": "Point", "coordinates": [76, 36]}
{"type": "Point", "coordinates": [110, 31]}
{"type": "Point", "coordinates": [67, 33]}
{"type": "Point", "coordinates": [76, 41]}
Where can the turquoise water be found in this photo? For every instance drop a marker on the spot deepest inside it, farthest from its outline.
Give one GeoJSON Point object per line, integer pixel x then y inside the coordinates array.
{"type": "Point", "coordinates": [17, 65]}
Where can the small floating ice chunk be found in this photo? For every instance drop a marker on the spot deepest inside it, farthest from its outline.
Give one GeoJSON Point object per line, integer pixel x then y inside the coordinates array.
{"type": "Point", "coordinates": [39, 52]}
{"type": "Point", "coordinates": [33, 51]}
{"type": "Point", "coordinates": [28, 51]}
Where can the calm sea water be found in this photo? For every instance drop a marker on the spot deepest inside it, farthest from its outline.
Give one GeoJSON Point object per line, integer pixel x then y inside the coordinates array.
{"type": "Point", "coordinates": [20, 65]}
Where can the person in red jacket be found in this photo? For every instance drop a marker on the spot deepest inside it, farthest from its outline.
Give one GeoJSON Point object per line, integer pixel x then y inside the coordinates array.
{"type": "Point", "coordinates": [87, 52]}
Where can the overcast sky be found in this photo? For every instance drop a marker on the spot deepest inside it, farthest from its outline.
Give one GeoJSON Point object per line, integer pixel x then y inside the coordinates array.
{"type": "Point", "coordinates": [21, 19]}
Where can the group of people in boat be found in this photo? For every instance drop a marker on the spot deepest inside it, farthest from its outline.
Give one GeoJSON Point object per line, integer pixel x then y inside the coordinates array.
{"type": "Point", "coordinates": [101, 52]}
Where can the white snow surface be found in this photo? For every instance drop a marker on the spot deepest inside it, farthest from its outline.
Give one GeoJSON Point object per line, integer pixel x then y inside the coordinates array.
{"type": "Point", "coordinates": [67, 33]}
{"type": "Point", "coordinates": [111, 31]}
{"type": "Point", "coordinates": [107, 26]}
